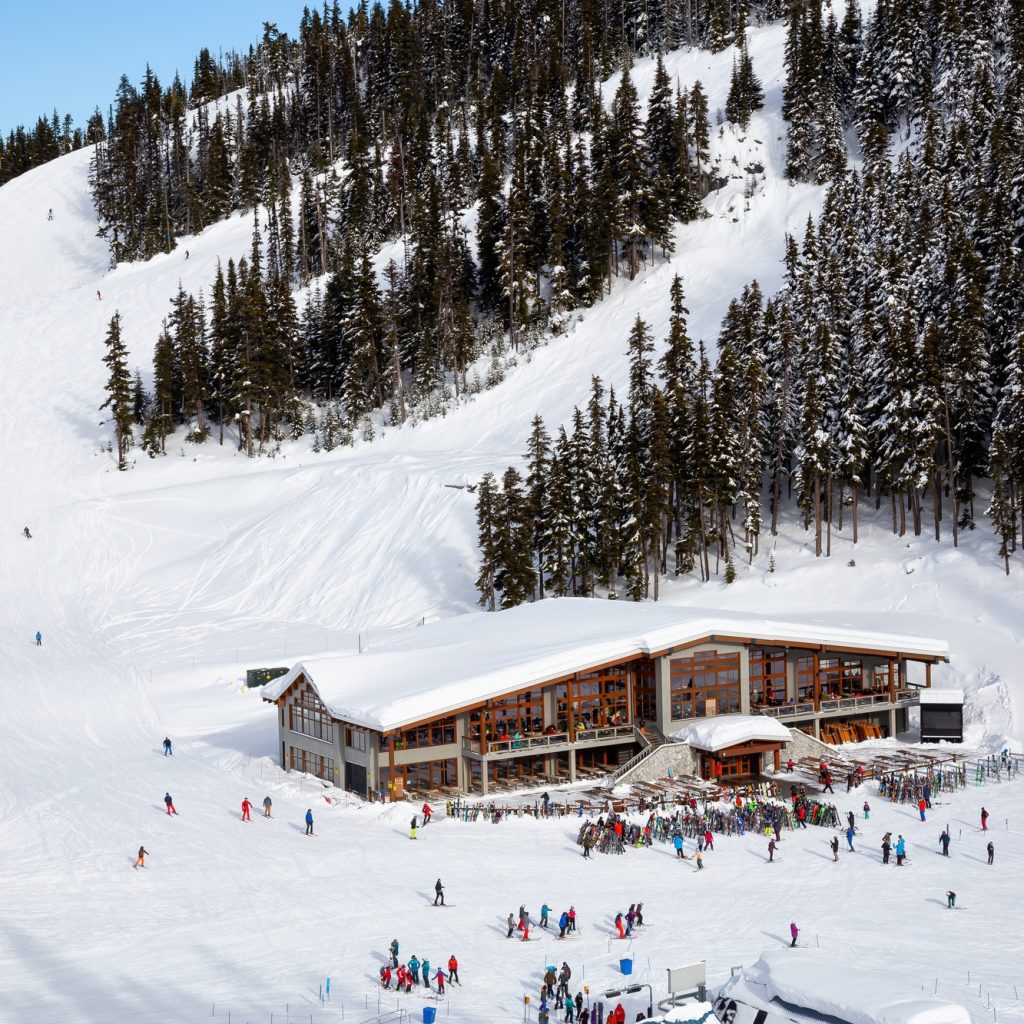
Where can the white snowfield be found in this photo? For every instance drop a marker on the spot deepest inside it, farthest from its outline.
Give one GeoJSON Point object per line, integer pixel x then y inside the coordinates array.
{"type": "Point", "coordinates": [441, 666]}
{"type": "Point", "coordinates": [155, 589]}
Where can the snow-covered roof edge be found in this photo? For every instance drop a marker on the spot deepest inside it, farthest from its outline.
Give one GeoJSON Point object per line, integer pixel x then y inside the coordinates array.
{"type": "Point", "coordinates": [427, 671]}
{"type": "Point", "coordinates": [942, 695]}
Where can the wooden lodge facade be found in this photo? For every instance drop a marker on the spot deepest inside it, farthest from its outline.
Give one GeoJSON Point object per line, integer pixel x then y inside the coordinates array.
{"type": "Point", "coordinates": [593, 719]}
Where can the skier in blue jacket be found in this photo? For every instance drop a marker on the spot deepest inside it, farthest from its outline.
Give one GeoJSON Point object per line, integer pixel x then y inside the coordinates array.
{"type": "Point", "coordinates": [563, 923]}
{"type": "Point", "coordinates": [544, 911]}
{"type": "Point", "coordinates": [678, 844]}
{"type": "Point", "coordinates": [850, 833]}
{"type": "Point", "coordinates": [309, 821]}
{"type": "Point", "coordinates": [901, 851]}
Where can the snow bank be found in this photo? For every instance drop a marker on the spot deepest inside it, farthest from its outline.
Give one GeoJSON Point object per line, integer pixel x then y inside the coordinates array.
{"type": "Point", "coordinates": [717, 733]}
{"type": "Point", "coordinates": [804, 979]}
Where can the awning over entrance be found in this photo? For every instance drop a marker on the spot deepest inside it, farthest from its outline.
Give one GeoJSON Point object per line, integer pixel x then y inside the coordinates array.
{"type": "Point", "coordinates": [717, 735]}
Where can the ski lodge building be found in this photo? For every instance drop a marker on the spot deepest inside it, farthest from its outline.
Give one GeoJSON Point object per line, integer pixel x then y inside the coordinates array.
{"type": "Point", "coordinates": [574, 687]}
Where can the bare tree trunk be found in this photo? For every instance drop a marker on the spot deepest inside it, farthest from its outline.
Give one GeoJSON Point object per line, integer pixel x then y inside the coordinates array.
{"type": "Point", "coordinates": [853, 511]}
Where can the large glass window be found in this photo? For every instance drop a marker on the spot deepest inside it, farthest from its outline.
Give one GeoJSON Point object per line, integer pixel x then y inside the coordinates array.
{"type": "Point", "coordinates": [767, 676]}
{"type": "Point", "coordinates": [433, 734]}
{"type": "Point", "coordinates": [423, 775]}
{"type": "Point", "coordinates": [599, 698]}
{"type": "Point", "coordinates": [705, 685]}
{"type": "Point", "coordinates": [313, 764]}
{"type": "Point", "coordinates": [308, 716]}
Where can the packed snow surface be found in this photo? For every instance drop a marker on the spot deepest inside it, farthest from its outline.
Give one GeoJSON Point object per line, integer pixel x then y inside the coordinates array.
{"type": "Point", "coordinates": [155, 589]}
{"type": "Point", "coordinates": [440, 666]}
{"type": "Point", "coordinates": [718, 733]}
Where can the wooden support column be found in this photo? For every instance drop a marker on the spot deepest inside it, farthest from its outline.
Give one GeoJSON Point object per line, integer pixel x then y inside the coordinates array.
{"type": "Point", "coordinates": [928, 674]}
{"type": "Point", "coordinates": [892, 681]}
{"type": "Point", "coordinates": [777, 758]}
{"type": "Point", "coordinates": [816, 658]}
{"type": "Point", "coordinates": [570, 708]}
{"type": "Point", "coordinates": [392, 740]}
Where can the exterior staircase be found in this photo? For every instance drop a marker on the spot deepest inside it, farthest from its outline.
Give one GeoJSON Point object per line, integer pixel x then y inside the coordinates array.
{"type": "Point", "coordinates": [650, 739]}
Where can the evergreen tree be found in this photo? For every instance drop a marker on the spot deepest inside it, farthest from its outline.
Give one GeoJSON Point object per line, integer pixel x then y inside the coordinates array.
{"type": "Point", "coordinates": [119, 391]}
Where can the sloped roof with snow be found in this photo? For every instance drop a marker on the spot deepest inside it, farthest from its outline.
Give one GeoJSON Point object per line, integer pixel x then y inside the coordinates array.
{"type": "Point", "coordinates": [942, 695]}
{"type": "Point", "coordinates": [426, 671]}
{"type": "Point", "coordinates": [728, 730]}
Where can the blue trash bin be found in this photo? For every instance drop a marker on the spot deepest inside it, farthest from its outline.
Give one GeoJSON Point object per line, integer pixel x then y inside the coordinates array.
{"type": "Point", "coordinates": [429, 1013]}
{"type": "Point", "coordinates": [626, 966]}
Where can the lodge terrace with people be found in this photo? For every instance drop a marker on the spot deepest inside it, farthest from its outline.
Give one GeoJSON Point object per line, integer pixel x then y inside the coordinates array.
{"type": "Point", "coordinates": [574, 688]}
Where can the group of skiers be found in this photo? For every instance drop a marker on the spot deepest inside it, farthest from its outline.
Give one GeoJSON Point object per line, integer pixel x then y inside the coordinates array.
{"type": "Point", "coordinates": [417, 972]}
{"type": "Point", "coordinates": [633, 918]}
{"type": "Point", "coordinates": [566, 922]}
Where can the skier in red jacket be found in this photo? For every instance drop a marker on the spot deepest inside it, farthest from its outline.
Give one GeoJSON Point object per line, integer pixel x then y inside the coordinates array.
{"type": "Point", "coordinates": [246, 808]}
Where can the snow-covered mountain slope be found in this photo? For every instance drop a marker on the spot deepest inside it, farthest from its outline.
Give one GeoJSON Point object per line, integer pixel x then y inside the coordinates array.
{"type": "Point", "coordinates": [154, 589]}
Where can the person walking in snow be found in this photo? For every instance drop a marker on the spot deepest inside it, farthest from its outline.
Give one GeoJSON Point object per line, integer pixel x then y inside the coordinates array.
{"type": "Point", "coordinates": [49, 214]}
{"type": "Point", "coordinates": [267, 804]}
{"type": "Point", "coordinates": [549, 982]}
{"type": "Point", "coordinates": [511, 925]}
{"type": "Point", "coordinates": [438, 892]}
{"type": "Point", "coordinates": [99, 298]}
{"type": "Point", "coordinates": [991, 853]}
{"type": "Point", "coordinates": [619, 925]}
{"type": "Point", "coordinates": [827, 787]}
{"type": "Point", "coordinates": [771, 851]}
{"type": "Point", "coordinates": [886, 848]}
{"type": "Point", "coordinates": [588, 842]}
{"type": "Point", "coordinates": [927, 794]}
{"type": "Point", "coordinates": [412, 828]}
{"type": "Point", "coordinates": [700, 861]}
{"type": "Point", "coordinates": [28, 536]}
{"type": "Point", "coordinates": [984, 820]}
{"type": "Point", "coordinates": [570, 1008]}
{"type": "Point", "coordinates": [414, 968]}
{"type": "Point", "coordinates": [851, 820]}
{"type": "Point", "coordinates": [794, 931]}
{"type": "Point", "coordinates": [309, 821]}
{"type": "Point", "coordinates": [850, 833]}
{"type": "Point", "coordinates": [425, 972]}
{"type": "Point", "coordinates": [525, 923]}
{"type": "Point", "coordinates": [572, 918]}
{"type": "Point", "coordinates": [427, 812]}
{"type": "Point", "coordinates": [140, 861]}
{"type": "Point", "coordinates": [709, 840]}
{"type": "Point", "coordinates": [394, 952]}
{"type": "Point", "coordinates": [867, 810]}
{"type": "Point", "coordinates": [453, 970]}
{"type": "Point", "coordinates": [901, 851]}
{"type": "Point", "coordinates": [545, 910]}
{"type": "Point", "coordinates": [835, 848]}
{"type": "Point", "coordinates": [167, 747]}
{"type": "Point", "coordinates": [944, 843]}
{"type": "Point", "coordinates": [169, 804]}
{"type": "Point", "coordinates": [563, 923]}
{"type": "Point", "coordinates": [921, 805]}
{"type": "Point", "coordinates": [246, 808]}
{"type": "Point", "coordinates": [950, 899]}
{"type": "Point", "coordinates": [39, 639]}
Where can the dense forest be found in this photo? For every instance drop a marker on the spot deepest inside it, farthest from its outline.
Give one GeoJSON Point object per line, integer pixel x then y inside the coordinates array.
{"type": "Point", "coordinates": [890, 366]}
{"type": "Point", "coordinates": [50, 138]}
{"type": "Point", "coordinates": [403, 123]}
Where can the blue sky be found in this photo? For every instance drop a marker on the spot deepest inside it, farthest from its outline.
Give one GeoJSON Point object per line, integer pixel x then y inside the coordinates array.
{"type": "Point", "coordinates": [70, 54]}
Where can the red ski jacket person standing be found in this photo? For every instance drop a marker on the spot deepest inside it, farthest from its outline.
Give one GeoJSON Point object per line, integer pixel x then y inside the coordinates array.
{"type": "Point", "coordinates": [246, 808]}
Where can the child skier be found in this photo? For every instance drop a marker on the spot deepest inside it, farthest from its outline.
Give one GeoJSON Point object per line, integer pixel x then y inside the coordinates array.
{"type": "Point", "coordinates": [246, 808]}
{"type": "Point", "coordinates": [867, 810]}
{"type": "Point", "coordinates": [794, 931]}
{"type": "Point", "coordinates": [140, 861]}
{"type": "Point", "coordinates": [169, 803]}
